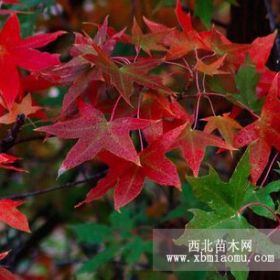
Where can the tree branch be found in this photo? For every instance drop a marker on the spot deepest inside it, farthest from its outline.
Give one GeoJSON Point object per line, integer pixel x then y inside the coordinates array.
{"type": "Point", "coordinates": [12, 134]}
{"type": "Point", "coordinates": [53, 189]}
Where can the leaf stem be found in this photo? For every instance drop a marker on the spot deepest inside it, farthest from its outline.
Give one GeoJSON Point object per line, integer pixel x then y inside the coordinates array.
{"type": "Point", "coordinates": [197, 110]}
{"type": "Point", "coordinates": [269, 169]}
{"type": "Point", "coordinates": [243, 208]}
{"type": "Point", "coordinates": [198, 93]}
{"type": "Point", "coordinates": [138, 117]}
{"type": "Point", "coordinates": [114, 108]}
{"type": "Point", "coordinates": [188, 67]}
{"type": "Point", "coordinates": [210, 102]}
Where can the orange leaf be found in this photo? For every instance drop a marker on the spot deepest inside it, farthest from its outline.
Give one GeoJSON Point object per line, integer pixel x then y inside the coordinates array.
{"type": "Point", "coordinates": [25, 107]}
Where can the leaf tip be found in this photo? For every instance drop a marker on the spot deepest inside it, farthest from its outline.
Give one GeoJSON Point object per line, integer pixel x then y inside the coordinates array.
{"type": "Point", "coordinates": [79, 204]}
{"type": "Point", "coordinates": [138, 162]}
{"type": "Point", "coordinates": [61, 170]}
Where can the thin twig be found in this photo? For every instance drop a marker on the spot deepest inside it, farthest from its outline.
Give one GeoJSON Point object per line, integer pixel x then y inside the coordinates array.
{"type": "Point", "coordinates": [269, 169]}
{"type": "Point", "coordinates": [114, 108]}
{"type": "Point", "coordinates": [57, 188]}
{"type": "Point", "coordinates": [138, 117]}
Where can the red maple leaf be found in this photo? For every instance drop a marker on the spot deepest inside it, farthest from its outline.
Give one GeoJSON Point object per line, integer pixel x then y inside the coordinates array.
{"type": "Point", "coordinates": [263, 134]}
{"type": "Point", "coordinates": [123, 78]}
{"type": "Point", "coordinates": [10, 215]}
{"type": "Point", "coordinates": [95, 134]}
{"type": "Point", "coordinates": [6, 160]}
{"type": "Point", "coordinates": [169, 112]}
{"type": "Point", "coordinates": [266, 78]}
{"type": "Point", "coordinates": [3, 255]}
{"type": "Point", "coordinates": [183, 17]}
{"type": "Point", "coordinates": [181, 43]}
{"type": "Point", "coordinates": [261, 48]}
{"type": "Point", "coordinates": [218, 43]}
{"type": "Point", "coordinates": [149, 41]}
{"type": "Point", "coordinates": [4, 273]}
{"type": "Point", "coordinates": [128, 178]}
{"type": "Point", "coordinates": [17, 52]}
{"type": "Point", "coordinates": [193, 143]}
{"type": "Point", "coordinates": [9, 1]}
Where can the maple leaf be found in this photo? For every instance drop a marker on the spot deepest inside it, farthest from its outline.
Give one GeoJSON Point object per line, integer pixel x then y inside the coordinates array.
{"type": "Point", "coordinates": [93, 63]}
{"type": "Point", "coordinates": [212, 68]}
{"type": "Point", "coordinates": [260, 49]}
{"type": "Point", "coordinates": [156, 106]}
{"type": "Point", "coordinates": [226, 199]}
{"type": "Point", "coordinates": [25, 107]}
{"type": "Point", "coordinates": [106, 38]}
{"type": "Point", "coordinates": [265, 81]}
{"type": "Point", "coordinates": [246, 82]}
{"type": "Point", "coordinates": [10, 215]}
{"type": "Point", "coordinates": [78, 74]}
{"type": "Point", "coordinates": [263, 134]}
{"type": "Point", "coordinates": [6, 274]}
{"type": "Point", "coordinates": [94, 134]}
{"type": "Point", "coordinates": [226, 202]}
{"type": "Point", "coordinates": [128, 178]}
{"type": "Point", "coordinates": [6, 159]}
{"type": "Point", "coordinates": [149, 41]}
{"type": "Point", "coordinates": [159, 107]}
{"type": "Point", "coordinates": [17, 52]}
{"type": "Point", "coordinates": [224, 124]}
{"type": "Point", "coordinates": [193, 143]}
{"type": "Point", "coordinates": [9, 1]}
{"type": "Point", "coordinates": [3, 255]}
{"type": "Point", "coordinates": [156, 27]}
{"type": "Point", "coordinates": [181, 43]}
{"type": "Point", "coordinates": [34, 82]}
{"type": "Point", "coordinates": [183, 18]}
{"type": "Point", "coordinates": [124, 77]}
{"type": "Point", "coordinates": [218, 43]}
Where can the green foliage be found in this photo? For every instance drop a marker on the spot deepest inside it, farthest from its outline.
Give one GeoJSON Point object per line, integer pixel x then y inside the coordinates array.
{"type": "Point", "coordinates": [227, 199]}
{"type": "Point", "coordinates": [246, 81]}
{"type": "Point", "coordinates": [187, 201]}
{"type": "Point", "coordinates": [204, 10]}
{"type": "Point", "coordinates": [116, 238]}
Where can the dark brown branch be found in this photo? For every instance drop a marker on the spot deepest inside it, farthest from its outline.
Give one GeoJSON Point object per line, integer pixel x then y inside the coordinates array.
{"type": "Point", "coordinates": [12, 134]}
{"type": "Point", "coordinates": [53, 189]}
{"type": "Point", "coordinates": [16, 255]}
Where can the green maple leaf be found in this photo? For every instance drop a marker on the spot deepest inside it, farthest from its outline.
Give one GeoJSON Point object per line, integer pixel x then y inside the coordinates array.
{"type": "Point", "coordinates": [246, 80]}
{"type": "Point", "coordinates": [226, 199]}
